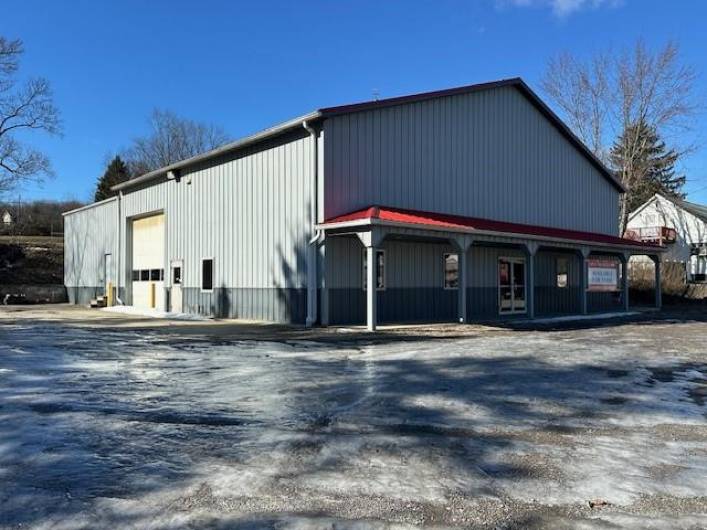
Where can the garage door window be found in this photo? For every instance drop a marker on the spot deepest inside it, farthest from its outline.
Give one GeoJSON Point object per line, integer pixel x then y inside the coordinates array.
{"type": "Point", "coordinates": [207, 274]}
{"type": "Point", "coordinates": [148, 275]}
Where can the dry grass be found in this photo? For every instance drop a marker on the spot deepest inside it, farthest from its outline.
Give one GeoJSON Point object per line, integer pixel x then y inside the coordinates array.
{"type": "Point", "coordinates": [673, 281]}
{"type": "Point", "coordinates": [31, 260]}
{"type": "Point", "coordinates": [33, 240]}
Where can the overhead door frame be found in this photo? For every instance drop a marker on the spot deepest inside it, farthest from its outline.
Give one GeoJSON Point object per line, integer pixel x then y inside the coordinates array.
{"type": "Point", "coordinates": [130, 252]}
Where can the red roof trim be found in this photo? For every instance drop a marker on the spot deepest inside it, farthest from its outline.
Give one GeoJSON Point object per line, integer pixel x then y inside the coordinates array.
{"type": "Point", "coordinates": [414, 217]}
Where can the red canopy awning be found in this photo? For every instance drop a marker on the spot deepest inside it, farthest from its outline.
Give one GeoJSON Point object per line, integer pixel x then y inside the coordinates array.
{"type": "Point", "coordinates": [387, 215]}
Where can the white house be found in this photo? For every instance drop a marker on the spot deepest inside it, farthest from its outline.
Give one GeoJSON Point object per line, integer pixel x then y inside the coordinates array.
{"type": "Point", "coordinates": [6, 218]}
{"type": "Point", "coordinates": [681, 225]}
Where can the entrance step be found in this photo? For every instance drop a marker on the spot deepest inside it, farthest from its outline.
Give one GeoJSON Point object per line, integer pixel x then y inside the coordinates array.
{"type": "Point", "coordinates": [99, 302]}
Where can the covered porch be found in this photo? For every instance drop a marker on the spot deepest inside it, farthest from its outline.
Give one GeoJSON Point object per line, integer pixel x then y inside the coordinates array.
{"type": "Point", "coordinates": [431, 267]}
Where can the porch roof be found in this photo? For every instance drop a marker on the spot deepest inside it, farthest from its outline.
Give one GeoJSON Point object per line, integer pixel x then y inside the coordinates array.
{"type": "Point", "coordinates": [387, 216]}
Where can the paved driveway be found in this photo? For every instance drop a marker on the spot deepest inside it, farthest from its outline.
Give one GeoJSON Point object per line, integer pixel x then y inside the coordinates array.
{"type": "Point", "coordinates": [147, 428]}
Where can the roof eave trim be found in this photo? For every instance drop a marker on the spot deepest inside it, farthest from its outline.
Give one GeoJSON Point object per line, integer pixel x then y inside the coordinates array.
{"type": "Point", "coordinates": [365, 222]}
{"type": "Point", "coordinates": [89, 206]}
{"type": "Point", "coordinates": [412, 98]}
{"type": "Point", "coordinates": [224, 149]}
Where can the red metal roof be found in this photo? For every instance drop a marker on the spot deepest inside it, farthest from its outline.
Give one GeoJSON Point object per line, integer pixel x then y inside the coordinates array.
{"type": "Point", "coordinates": [431, 219]}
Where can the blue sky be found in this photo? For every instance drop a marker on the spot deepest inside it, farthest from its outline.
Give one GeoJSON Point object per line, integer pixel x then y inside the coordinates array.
{"type": "Point", "coordinates": [248, 65]}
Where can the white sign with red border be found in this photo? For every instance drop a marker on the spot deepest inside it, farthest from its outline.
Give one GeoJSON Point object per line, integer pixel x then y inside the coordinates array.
{"type": "Point", "coordinates": [603, 275]}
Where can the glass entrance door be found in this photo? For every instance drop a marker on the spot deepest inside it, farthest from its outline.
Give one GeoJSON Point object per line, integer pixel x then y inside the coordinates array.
{"type": "Point", "coordinates": [511, 285]}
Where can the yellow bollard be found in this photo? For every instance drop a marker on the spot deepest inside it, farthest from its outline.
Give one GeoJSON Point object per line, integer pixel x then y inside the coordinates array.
{"type": "Point", "coordinates": [110, 294]}
{"type": "Point", "coordinates": [152, 295]}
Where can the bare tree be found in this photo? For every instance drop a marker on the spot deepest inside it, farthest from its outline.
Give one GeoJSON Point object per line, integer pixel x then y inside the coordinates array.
{"type": "Point", "coordinates": [22, 108]}
{"type": "Point", "coordinates": [610, 94]}
{"type": "Point", "coordinates": [171, 139]}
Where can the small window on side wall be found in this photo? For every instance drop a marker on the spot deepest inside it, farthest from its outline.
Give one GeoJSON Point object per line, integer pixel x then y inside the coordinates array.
{"type": "Point", "coordinates": [207, 274]}
{"type": "Point", "coordinates": [562, 273]}
{"type": "Point", "coordinates": [380, 270]}
{"type": "Point", "coordinates": [451, 271]}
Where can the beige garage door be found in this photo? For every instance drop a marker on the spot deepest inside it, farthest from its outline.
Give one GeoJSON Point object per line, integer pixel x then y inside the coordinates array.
{"type": "Point", "coordinates": [148, 262]}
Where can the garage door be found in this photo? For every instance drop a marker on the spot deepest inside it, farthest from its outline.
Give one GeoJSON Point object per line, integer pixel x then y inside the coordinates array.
{"type": "Point", "coordinates": [148, 262]}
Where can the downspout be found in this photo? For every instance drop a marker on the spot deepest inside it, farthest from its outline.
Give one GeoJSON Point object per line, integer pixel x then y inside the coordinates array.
{"type": "Point", "coordinates": [312, 276]}
{"type": "Point", "coordinates": [119, 269]}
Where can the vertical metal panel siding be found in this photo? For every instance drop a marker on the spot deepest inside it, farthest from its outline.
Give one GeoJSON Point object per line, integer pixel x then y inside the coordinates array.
{"type": "Point", "coordinates": [489, 154]}
{"type": "Point", "coordinates": [408, 264]}
{"type": "Point", "coordinates": [89, 235]}
{"type": "Point", "coordinates": [250, 213]}
{"type": "Point", "coordinates": [414, 281]}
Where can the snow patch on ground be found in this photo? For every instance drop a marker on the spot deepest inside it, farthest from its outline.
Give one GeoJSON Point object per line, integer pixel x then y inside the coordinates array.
{"type": "Point", "coordinates": [152, 313]}
{"type": "Point", "coordinates": [128, 429]}
{"type": "Point", "coordinates": [572, 318]}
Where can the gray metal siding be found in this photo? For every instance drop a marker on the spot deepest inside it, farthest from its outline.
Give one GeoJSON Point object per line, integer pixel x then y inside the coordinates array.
{"type": "Point", "coordinates": [482, 271]}
{"type": "Point", "coordinates": [549, 298]}
{"type": "Point", "coordinates": [488, 154]}
{"type": "Point", "coordinates": [251, 214]}
{"type": "Point", "coordinates": [89, 234]}
{"type": "Point", "coordinates": [414, 282]}
{"type": "Point", "coordinates": [275, 305]}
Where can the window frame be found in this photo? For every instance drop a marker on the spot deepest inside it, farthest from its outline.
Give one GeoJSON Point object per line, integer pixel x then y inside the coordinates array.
{"type": "Point", "coordinates": [444, 271]}
{"type": "Point", "coordinates": [364, 259]}
{"type": "Point", "coordinates": [173, 280]}
{"type": "Point", "coordinates": [201, 274]}
{"type": "Point", "coordinates": [566, 273]}
{"type": "Point", "coordinates": [512, 260]}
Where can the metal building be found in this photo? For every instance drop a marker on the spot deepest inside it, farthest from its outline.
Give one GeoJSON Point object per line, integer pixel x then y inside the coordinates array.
{"type": "Point", "coordinates": [472, 203]}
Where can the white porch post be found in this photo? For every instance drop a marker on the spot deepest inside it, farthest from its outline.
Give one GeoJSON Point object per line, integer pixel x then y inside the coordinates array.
{"type": "Point", "coordinates": [462, 244]}
{"type": "Point", "coordinates": [371, 289]}
{"type": "Point", "coordinates": [371, 241]}
{"type": "Point", "coordinates": [624, 279]}
{"type": "Point", "coordinates": [583, 278]}
{"type": "Point", "coordinates": [461, 294]}
{"type": "Point", "coordinates": [532, 250]}
{"type": "Point", "coordinates": [658, 286]}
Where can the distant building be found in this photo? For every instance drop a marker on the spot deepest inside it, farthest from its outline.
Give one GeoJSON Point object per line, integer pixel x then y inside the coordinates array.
{"type": "Point", "coordinates": [6, 219]}
{"type": "Point", "coordinates": [680, 225]}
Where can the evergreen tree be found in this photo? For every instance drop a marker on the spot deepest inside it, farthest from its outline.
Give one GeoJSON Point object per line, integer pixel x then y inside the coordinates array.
{"type": "Point", "coordinates": [641, 154]}
{"type": "Point", "coordinates": [116, 172]}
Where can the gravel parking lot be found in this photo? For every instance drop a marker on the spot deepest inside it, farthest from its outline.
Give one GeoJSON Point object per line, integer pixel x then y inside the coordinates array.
{"type": "Point", "coordinates": [195, 425]}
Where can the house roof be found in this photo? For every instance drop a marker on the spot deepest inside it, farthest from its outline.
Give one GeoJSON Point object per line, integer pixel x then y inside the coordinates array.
{"type": "Point", "coordinates": [414, 218]}
{"type": "Point", "coordinates": [326, 112]}
{"type": "Point", "coordinates": [698, 210]}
